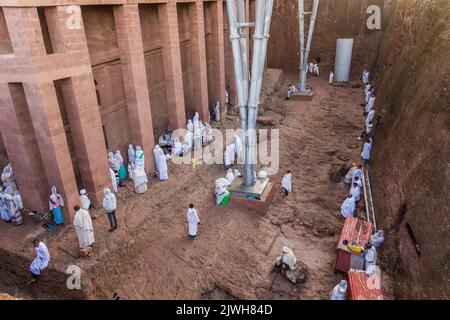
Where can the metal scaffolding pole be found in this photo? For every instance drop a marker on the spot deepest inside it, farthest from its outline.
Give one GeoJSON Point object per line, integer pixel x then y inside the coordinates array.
{"type": "Point", "coordinates": [248, 96]}
{"type": "Point", "coordinates": [304, 52]}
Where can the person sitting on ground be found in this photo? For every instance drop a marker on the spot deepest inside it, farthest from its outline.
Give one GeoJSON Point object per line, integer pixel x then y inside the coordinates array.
{"type": "Point", "coordinates": [41, 260]}
{"type": "Point", "coordinates": [348, 207]}
{"type": "Point", "coordinates": [340, 291]}
{"type": "Point", "coordinates": [288, 93]}
{"type": "Point", "coordinates": [371, 103]}
{"type": "Point", "coordinates": [286, 183]}
{"type": "Point", "coordinates": [287, 260]}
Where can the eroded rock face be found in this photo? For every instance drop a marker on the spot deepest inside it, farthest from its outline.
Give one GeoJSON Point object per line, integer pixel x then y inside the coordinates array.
{"type": "Point", "coordinates": [411, 165]}
{"type": "Point", "coordinates": [336, 19]}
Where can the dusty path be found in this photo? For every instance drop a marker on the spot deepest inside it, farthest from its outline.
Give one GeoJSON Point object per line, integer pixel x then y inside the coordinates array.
{"type": "Point", "coordinates": [150, 257]}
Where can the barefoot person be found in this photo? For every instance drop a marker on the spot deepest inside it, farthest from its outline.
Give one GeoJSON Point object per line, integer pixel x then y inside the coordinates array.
{"type": "Point", "coordinates": [41, 261]}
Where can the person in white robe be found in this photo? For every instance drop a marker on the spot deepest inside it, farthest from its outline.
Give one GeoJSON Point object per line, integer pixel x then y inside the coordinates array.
{"type": "Point", "coordinates": [238, 147]}
{"type": "Point", "coordinates": [221, 190]}
{"type": "Point", "coordinates": [370, 257]}
{"type": "Point", "coordinates": [130, 169]}
{"type": "Point", "coordinates": [230, 175]}
{"type": "Point", "coordinates": [377, 239]}
{"type": "Point", "coordinates": [316, 69]}
{"type": "Point", "coordinates": [40, 262]}
{"type": "Point", "coordinates": [365, 76]}
{"type": "Point", "coordinates": [140, 180]}
{"type": "Point", "coordinates": [370, 105]}
{"type": "Point", "coordinates": [366, 151]}
{"type": "Point", "coordinates": [162, 165]}
{"type": "Point", "coordinates": [286, 182]}
{"type": "Point", "coordinates": [229, 156]}
{"type": "Point", "coordinates": [236, 173]}
{"type": "Point", "coordinates": [367, 89]}
{"type": "Point", "coordinates": [8, 177]}
{"type": "Point", "coordinates": [83, 227]}
{"type": "Point", "coordinates": [84, 200]}
{"type": "Point", "coordinates": [287, 258]}
{"type": "Point", "coordinates": [156, 153]}
{"type": "Point", "coordinates": [222, 183]}
{"type": "Point", "coordinates": [368, 129]}
{"type": "Point", "coordinates": [370, 117]}
{"type": "Point", "coordinates": [131, 154]}
{"type": "Point", "coordinates": [311, 67]}
{"type": "Point", "coordinates": [196, 120]}
{"type": "Point", "coordinates": [139, 157]}
{"type": "Point", "coordinates": [368, 95]}
{"type": "Point", "coordinates": [188, 142]}
{"type": "Point", "coordinates": [355, 191]}
{"type": "Point", "coordinates": [14, 205]}
{"type": "Point", "coordinates": [331, 78]}
{"type": "Point", "coordinates": [208, 134]}
{"type": "Point", "coordinates": [349, 176]}
{"type": "Point", "coordinates": [164, 139]}
{"type": "Point", "coordinates": [4, 212]}
{"type": "Point", "coordinates": [193, 221]}
{"type": "Point", "coordinates": [177, 148]}
{"type": "Point", "coordinates": [340, 291]}
{"type": "Point", "coordinates": [113, 180]}
{"type": "Point", "coordinates": [227, 95]}
{"type": "Point", "coordinates": [348, 207]}
{"type": "Point", "coordinates": [357, 176]}
{"type": "Point", "coordinates": [217, 111]}
{"type": "Point", "coordinates": [190, 126]}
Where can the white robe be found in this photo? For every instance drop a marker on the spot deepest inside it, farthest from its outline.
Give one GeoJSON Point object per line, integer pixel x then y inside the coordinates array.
{"type": "Point", "coordinates": [113, 180]}
{"type": "Point", "coordinates": [365, 77]}
{"type": "Point", "coordinates": [339, 292]}
{"type": "Point", "coordinates": [331, 79]}
{"type": "Point", "coordinates": [288, 258]}
{"type": "Point", "coordinates": [365, 154]}
{"type": "Point", "coordinates": [377, 239]}
{"type": "Point", "coordinates": [367, 89]}
{"type": "Point", "coordinates": [356, 193]}
{"type": "Point", "coordinates": [349, 176]}
{"type": "Point", "coordinates": [348, 207]}
{"type": "Point", "coordinates": [140, 180]}
{"type": "Point", "coordinates": [370, 117]}
{"type": "Point", "coordinates": [217, 111]}
{"type": "Point", "coordinates": [193, 220]}
{"type": "Point", "coordinates": [139, 158]}
{"type": "Point", "coordinates": [157, 153]}
{"type": "Point", "coordinates": [42, 259]}
{"type": "Point", "coordinates": [162, 165]}
{"type": "Point", "coordinates": [190, 126]}
{"type": "Point", "coordinates": [311, 67]}
{"type": "Point", "coordinates": [83, 226]}
{"type": "Point", "coordinates": [368, 95]}
{"type": "Point", "coordinates": [238, 146]}
{"type": "Point", "coordinates": [316, 69]}
{"type": "Point", "coordinates": [370, 104]}
{"type": "Point", "coordinates": [230, 176]}
{"type": "Point", "coordinates": [85, 202]}
{"type": "Point", "coordinates": [287, 182]}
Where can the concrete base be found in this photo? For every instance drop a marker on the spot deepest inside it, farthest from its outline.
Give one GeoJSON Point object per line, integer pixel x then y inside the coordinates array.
{"type": "Point", "coordinates": [341, 83]}
{"type": "Point", "coordinates": [264, 192]}
{"type": "Point", "coordinates": [307, 95]}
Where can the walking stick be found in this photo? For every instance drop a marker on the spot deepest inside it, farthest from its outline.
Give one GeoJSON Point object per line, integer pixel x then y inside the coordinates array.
{"type": "Point", "coordinates": [274, 278]}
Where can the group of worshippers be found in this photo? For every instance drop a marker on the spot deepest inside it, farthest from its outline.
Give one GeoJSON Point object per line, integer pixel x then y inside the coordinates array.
{"type": "Point", "coordinates": [369, 104]}
{"type": "Point", "coordinates": [354, 179]}
{"type": "Point", "coordinates": [11, 205]}
{"type": "Point", "coordinates": [369, 252]}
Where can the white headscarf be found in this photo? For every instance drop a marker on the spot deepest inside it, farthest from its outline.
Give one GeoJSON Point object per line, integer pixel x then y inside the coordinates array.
{"type": "Point", "coordinates": [118, 157]}
{"type": "Point", "coordinates": [55, 199]}
{"type": "Point", "coordinates": [109, 200]}
{"type": "Point", "coordinates": [377, 239]}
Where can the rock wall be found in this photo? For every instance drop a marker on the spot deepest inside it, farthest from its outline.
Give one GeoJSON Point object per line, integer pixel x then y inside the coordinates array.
{"type": "Point", "coordinates": [335, 19]}
{"type": "Point", "coordinates": [411, 164]}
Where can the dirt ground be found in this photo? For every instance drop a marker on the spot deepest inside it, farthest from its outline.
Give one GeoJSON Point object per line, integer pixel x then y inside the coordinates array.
{"type": "Point", "coordinates": [150, 256]}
